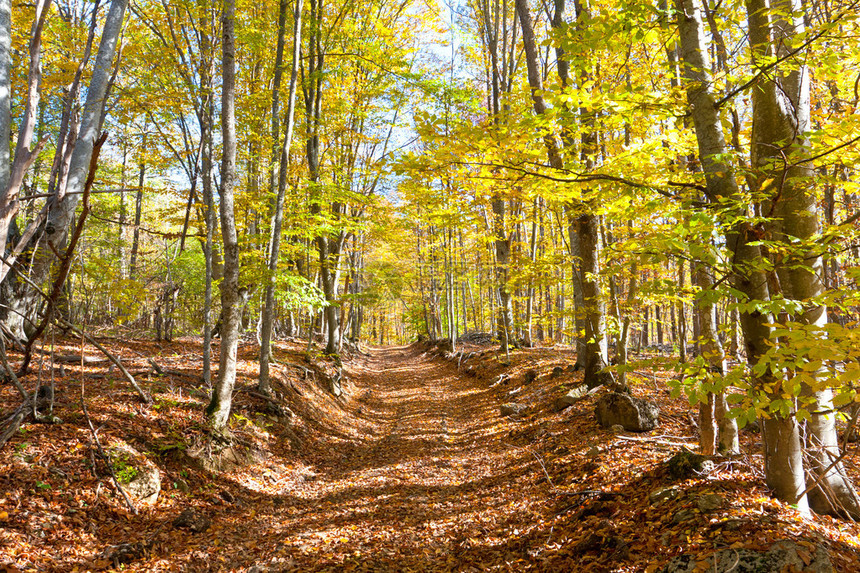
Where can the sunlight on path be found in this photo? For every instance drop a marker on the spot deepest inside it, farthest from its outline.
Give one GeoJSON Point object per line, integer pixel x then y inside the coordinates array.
{"type": "Point", "coordinates": [429, 491]}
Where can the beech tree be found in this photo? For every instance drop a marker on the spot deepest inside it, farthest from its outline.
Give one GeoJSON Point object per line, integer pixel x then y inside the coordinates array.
{"type": "Point", "coordinates": [784, 178]}
{"type": "Point", "coordinates": [69, 171]}
{"type": "Point", "coordinates": [232, 293]}
{"type": "Point", "coordinates": [283, 155]}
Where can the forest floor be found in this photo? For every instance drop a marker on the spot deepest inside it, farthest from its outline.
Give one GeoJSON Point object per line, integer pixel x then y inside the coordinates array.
{"type": "Point", "coordinates": [412, 468]}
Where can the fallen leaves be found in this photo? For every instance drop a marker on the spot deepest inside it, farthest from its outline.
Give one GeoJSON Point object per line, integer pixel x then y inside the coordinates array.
{"type": "Point", "coordinates": [413, 470]}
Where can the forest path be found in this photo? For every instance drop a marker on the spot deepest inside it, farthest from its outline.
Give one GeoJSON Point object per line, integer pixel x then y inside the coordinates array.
{"type": "Point", "coordinates": [433, 487]}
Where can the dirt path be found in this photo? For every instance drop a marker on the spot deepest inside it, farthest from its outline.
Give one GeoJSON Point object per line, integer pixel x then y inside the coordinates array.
{"type": "Point", "coordinates": [434, 488]}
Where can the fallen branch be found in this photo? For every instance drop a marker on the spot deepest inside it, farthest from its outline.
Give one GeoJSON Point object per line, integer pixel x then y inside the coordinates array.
{"type": "Point", "coordinates": [258, 395]}
{"type": "Point", "coordinates": [75, 358]}
{"type": "Point", "coordinates": [155, 366]}
{"type": "Point", "coordinates": [143, 395]}
{"type": "Point", "coordinates": [14, 421]}
{"type": "Point", "coordinates": [543, 467]}
{"type": "Point", "coordinates": [658, 437]}
{"type": "Point", "coordinates": [306, 372]}
{"type": "Point", "coordinates": [104, 375]}
{"type": "Point", "coordinates": [104, 454]}
{"type": "Point", "coordinates": [168, 372]}
{"type": "Point", "coordinates": [652, 441]}
{"type": "Point", "coordinates": [63, 322]}
{"type": "Point", "coordinates": [11, 373]}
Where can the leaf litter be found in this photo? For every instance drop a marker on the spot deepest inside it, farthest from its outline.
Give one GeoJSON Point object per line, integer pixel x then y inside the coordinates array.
{"type": "Point", "coordinates": [413, 468]}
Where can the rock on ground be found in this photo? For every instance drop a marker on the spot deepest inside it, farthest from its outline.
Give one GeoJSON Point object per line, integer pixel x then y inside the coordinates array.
{"type": "Point", "coordinates": [782, 556]}
{"type": "Point", "coordinates": [137, 476]}
{"type": "Point", "coordinates": [635, 414]}
{"type": "Point", "coordinates": [710, 502]}
{"type": "Point", "coordinates": [512, 409]}
{"type": "Point", "coordinates": [192, 520]}
{"type": "Point", "coordinates": [687, 464]}
{"type": "Point", "coordinates": [663, 494]}
{"type": "Point", "coordinates": [572, 397]}
{"type": "Point", "coordinates": [123, 554]}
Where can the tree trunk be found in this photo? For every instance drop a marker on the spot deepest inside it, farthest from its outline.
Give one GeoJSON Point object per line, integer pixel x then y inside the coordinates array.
{"type": "Point", "coordinates": [783, 452]}
{"type": "Point", "coordinates": [328, 272]}
{"type": "Point", "coordinates": [138, 208]}
{"type": "Point", "coordinates": [12, 176]}
{"type": "Point", "coordinates": [5, 93]}
{"type": "Point", "coordinates": [22, 298]}
{"type": "Point", "coordinates": [218, 411]}
{"type": "Point", "coordinates": [595, 345]}
{"type": "Point", "coordinates": [582, 220]}
{"type": "Point", "coordinates": [278, 208]}
{"type": "Point", "coordinates": [323, 242]}
{"type": "Point", "coordinates": [781, 118]}
{"type": "Point", "coordinates": [724, 434]}
{"type": "Point", "coordinates": [206, 120]}
{"type": "Point", "coordinates": [503, 263]}
{"type": "Point", "coordinates": [62, 207]}
{"type": "Point", "coordinates": [682, 315]}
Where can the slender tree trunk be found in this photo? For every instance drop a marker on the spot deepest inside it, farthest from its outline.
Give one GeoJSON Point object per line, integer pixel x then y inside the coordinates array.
{"type": "Point", "coordinates": [5, 93]}
{"type": "Point", "coordinates": [218, 411]}
{"type": "Point", "coordinates": [624, 337]}
{"type": "Point", "coordinates": [583, 221]}
{"type": "Point", "coordinates": [122, 232]}
{"type": "Point", "coordinates": [206, 119]}
{"type": "Point", "coordinates": [503, 262]}
{"type": "Point", "coordinates": [12, 175]}
{"type": "Point", "coordinates": [719, 431]}
{"type": "Point", "coordinates": [62, 207]}
{"type": "Point", "coordinates": [278, 207]}
{"type": "Point", "coordinates": [328, 261]}
{"type": "Point", "coordinates": [324, 242]}
{"type": "Point", "coordinates": [18, 297]}
{"type": "Point", "coordinates": [682, 314]}
{"type": "Point", "coordinates": [138, 208]}
{"type": "Point", "coordinates": [21, 298]}
{"type": "Point", "coordinates": [451, 291]}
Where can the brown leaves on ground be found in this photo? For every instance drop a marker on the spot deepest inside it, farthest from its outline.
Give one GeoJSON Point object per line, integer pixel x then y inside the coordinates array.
{"type": "Point", "coordinates": [412, 469]}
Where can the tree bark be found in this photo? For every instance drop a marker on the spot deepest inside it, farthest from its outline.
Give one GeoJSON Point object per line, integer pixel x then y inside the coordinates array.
{"type": "Point", "coordinates": [278, 207]}
{"type": "Point", "coordinates": [781, 119]}
{"type": "Point", "coordinates": [218, 411]}
{"type": "Point", "coordinates": [326, 247]}
{"type": "Point", "coordinates": [724, 437]}
{"type": "Point", "coordinates": [206, 119]}
{"type": "Point", "coordinates": [584, 236]}
{"type": "Point", "coordinates": [5, 92]}
{"type": "Point", "coordinates": [138, 208]}
{"type": "Point", "coordinates": [503, 262]}
{"type": "Point", "coordinates": [783, 451]}
{"type": "Point", "coordinates": [62, 206]}
{"type": "Point", "coordinates": [12, 177]}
